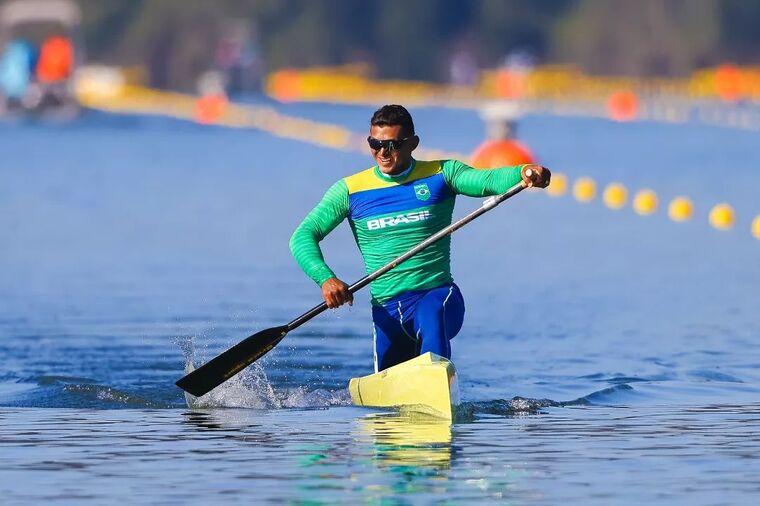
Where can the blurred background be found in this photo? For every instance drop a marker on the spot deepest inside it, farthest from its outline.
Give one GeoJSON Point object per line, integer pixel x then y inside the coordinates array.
{"type": "Point", "coordinates": [175, 44]}
{"type": "Point", "coordinates": [175, 41]}
{"type": "Point", "coordinates": [443, 41]}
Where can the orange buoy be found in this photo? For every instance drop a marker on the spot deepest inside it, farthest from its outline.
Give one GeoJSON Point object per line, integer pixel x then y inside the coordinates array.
{"type": "Point", "coordinates": [210, 108]}
{"type": "Point", "coordinates": [501, 153]}
{"type": "Point", "coordinates": [623, 105]}
{"type": "Point", "coordinates": [285, 85]}
{"type": "Point", "coordinates": [510, 84]}
{"type": "Point", "coordinates": [728, 82]}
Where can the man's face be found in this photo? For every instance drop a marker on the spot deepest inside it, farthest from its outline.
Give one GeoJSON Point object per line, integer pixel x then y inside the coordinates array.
{"type": "Point", "coordinates": [398, 159]}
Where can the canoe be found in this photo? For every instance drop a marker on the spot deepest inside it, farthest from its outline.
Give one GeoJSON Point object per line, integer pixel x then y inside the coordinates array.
{"type": "Point", "coordinates": [426, 384]}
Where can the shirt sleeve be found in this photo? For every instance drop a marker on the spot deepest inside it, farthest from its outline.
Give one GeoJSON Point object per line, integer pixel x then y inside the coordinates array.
{"type": "Point", "coordinates": [466, 180]}
{"type": "Point", "coordinates": [326, 215]}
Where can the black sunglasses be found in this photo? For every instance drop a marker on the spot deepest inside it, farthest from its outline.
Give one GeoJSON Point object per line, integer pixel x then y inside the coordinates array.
{"type": "Point", "coordinates": [388, 145]}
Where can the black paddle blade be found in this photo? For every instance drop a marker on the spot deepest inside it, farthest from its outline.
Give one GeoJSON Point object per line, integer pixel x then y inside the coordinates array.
{"type": "Point", "coordinates": [219, 369]}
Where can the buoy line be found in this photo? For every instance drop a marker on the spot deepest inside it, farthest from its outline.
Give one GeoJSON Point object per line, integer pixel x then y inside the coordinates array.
{"type": "Point", "coordinates": [222, 113]}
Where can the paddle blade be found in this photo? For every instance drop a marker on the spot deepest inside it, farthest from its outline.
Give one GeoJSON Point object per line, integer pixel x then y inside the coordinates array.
{"type": "Point", "coordinates": [221, 368]}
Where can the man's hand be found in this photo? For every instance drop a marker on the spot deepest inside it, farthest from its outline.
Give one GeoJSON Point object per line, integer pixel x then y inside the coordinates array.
{"type": "Point", "coordinates": [539, 176]}
{"type": "Point", "coordinates": [335, 293]}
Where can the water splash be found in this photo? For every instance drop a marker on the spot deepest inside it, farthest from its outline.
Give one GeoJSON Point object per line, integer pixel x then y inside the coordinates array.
{"type": "Point", "coordinates": [302, 397]}
{"type": "Point", "coordinates": [252, 389]}
{"type": "Point", "coordinates": [249, 389]}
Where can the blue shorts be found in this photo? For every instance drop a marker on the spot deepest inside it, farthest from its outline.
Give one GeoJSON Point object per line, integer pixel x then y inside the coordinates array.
{"type": "Point", "coordinates": [416, 322]}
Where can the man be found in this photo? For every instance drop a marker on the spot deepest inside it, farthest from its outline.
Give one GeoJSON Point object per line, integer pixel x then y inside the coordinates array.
{"type": "Point", "coordinates": [392, 207]}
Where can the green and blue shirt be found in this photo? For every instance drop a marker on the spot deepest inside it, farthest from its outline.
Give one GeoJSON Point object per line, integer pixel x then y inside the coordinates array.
{"type": "Point", "coordinates": [390, 215]}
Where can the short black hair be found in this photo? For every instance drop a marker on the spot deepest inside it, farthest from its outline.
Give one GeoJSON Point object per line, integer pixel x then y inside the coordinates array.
{"type": "Point", "coordinates": [389, 115]}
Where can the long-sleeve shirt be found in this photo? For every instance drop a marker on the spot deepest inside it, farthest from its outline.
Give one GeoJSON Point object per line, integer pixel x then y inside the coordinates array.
{"type": "Point", "coordinates": [390, 215]}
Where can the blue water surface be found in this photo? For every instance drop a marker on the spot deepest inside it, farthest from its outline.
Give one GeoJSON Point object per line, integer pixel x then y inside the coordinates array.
{"type": "Point", "coordinates": [605, 357]}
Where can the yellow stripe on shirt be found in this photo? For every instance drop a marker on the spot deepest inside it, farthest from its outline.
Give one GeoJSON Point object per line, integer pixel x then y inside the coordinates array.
{"type": "Point", "coordinates": [369, 180]}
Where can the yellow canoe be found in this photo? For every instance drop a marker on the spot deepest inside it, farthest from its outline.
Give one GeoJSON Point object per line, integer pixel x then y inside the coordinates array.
{"type": "Point", "coordinates": [425, 384]}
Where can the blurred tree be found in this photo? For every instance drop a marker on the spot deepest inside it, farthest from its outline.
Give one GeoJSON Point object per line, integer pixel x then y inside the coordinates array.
{"type": "Point", "coordinates": [106, 22]}
{"type": "Point", "coordinates": [175, 40]}
{"type": "Point", "coordinates": [415, 39]}
{"type": "Point", "coordinates": [508, 25]}
{"type": "Point", "coordinates": [409, 37]}
{"type": "Point", "coordinates": [647, 37]}
{"type": "Point", "coordinates": [740, 32]}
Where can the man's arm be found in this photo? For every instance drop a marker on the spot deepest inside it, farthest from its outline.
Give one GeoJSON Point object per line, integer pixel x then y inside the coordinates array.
{"type": "Point", "coordinates": [326, 215]}
{"type": "Point", "coordinates": [472, 182]}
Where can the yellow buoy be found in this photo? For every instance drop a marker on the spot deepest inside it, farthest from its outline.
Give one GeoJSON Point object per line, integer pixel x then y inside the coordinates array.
{"type": "Point", "coordinates": [558, 185]}
{"type": "Point", "coordinates": [584, 189]}
{"type": "Point", "coordinates": [681, 209]}
{"type": "Point", "coordinates": [722, 217]}
{"type": "Point", "coordinates": [645, 202]}
{"type": "Point", "coordinates": [615, 195]}
{"type": "Point", "coordinates": [756, 227]}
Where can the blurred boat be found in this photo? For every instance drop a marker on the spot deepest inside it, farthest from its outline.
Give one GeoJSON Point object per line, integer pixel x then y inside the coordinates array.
{"type": "Point", "coordinates": [423, 385]}
{"type": "Point", "coordinates": [39, 55]}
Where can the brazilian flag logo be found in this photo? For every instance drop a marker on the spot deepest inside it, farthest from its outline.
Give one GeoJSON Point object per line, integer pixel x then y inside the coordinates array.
{"type": "Point", "coordinates": [422, 191]}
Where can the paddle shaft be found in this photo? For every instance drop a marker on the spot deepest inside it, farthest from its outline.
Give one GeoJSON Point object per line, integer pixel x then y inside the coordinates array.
{"type": "Point", "coordinates": [488, 204]}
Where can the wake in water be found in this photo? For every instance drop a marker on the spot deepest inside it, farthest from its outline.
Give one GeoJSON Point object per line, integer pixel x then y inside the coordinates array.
{"type": "Point", "coordinates": [518, 406]}
{"type": "Point", "coordinates": [58, 391]}
{"type": "Point", "coordinates": [252, 389]}
{"type": "Point", "coordinates": [506, 407]}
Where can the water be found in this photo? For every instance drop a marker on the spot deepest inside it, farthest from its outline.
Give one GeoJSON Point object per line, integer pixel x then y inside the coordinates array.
{"type": "Point", "coordinates": [605, 358]}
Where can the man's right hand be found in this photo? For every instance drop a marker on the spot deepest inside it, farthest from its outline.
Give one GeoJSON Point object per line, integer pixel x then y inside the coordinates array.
{"type": "Point", "coordinates": [335, 293]}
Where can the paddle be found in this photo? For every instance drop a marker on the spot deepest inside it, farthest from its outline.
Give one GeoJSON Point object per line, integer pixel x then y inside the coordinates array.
{"type": "Point", "coordinates": [218, 370]}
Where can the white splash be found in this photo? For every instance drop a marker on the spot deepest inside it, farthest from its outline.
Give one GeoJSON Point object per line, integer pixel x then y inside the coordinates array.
{"type": "Point", "coordinates": [251, 389]}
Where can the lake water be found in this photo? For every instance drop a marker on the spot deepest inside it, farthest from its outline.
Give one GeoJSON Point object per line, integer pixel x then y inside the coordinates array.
{"type": "Point", "coordinates": [606, 358]}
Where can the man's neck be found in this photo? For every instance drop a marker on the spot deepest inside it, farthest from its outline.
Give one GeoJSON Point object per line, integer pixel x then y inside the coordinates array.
{"type": "Point", "coordinates": [403, 173]}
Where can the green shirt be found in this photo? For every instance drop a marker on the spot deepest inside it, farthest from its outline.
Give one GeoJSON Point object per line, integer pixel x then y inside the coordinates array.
{"type": "Point", "coordinates": [390, 215]}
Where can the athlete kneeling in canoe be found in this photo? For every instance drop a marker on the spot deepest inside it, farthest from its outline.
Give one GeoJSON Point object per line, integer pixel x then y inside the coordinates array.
{"type": "Point", "coordinates": [391, 207]}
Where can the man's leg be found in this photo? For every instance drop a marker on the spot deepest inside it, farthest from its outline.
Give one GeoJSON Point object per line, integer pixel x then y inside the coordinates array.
{"type": "Point", "coordinates": [392, 344]}
{"type": "Point", "coordinates": [438, 318]}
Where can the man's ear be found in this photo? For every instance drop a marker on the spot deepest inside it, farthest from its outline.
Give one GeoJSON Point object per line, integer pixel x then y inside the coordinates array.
{"type": "Point", "coordinates": [415, 142]}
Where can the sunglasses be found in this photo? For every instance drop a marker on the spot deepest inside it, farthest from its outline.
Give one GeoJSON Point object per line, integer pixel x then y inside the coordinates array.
{"type": "Point", "coordinates": [389, 145]}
